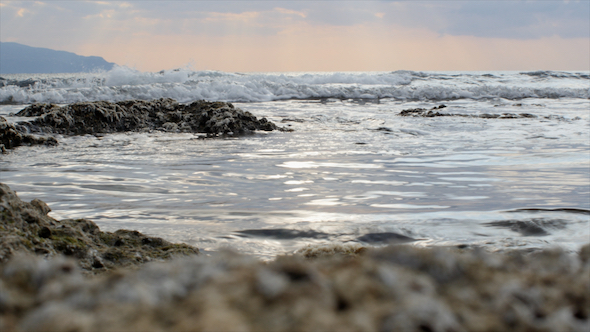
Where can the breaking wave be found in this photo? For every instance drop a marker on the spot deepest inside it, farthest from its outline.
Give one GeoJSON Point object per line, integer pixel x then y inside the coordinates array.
{"type": "Point", "coordinates": [557, 74]}
{"type": "Point", "coordinates": [185, 85]}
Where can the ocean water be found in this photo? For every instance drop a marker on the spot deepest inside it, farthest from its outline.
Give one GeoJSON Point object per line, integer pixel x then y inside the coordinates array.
{"type": "Point", "coordinates": [352, 171]}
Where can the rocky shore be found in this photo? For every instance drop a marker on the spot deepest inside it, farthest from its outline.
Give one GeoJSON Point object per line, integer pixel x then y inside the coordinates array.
{"type": "Point", "coordinates": [69, 276]}
{"type": "Point", "coordinates": [101, 117]}
{"type": "Point", "coordinates": [26, 227]}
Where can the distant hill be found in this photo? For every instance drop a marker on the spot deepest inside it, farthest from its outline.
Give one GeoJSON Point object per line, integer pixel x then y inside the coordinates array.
{"type": "Point", "coordinates": [21, 59]}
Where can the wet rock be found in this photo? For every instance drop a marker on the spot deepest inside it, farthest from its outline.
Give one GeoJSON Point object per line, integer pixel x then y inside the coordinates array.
{"type": "Point", "coordinates": [11, 137]}
{"type": "Point", "coordinates": [567, 210]}
{"type": "Point", "coordinates": [508, 116]}
{"type": "Point", "coordinates": [292, 120]}
{"type": "Point", "coordinates": [527, 115]}
{"type": "Point", "coordinates": [284, 234]}
{"type": "Point", "coordinates": [397, 288]}
{"type": "Point", "coordinates": [384, 129]}
{"type": "Point", "coordinates": [211, 118]}
{"type": "Point", "coordinates": [530, 227]}
{"type": "Point", "coordinates": [422, 112]}
{"type": "Point", "coordinates": [26, 227]}
{"type": "Point", "coordinates": [489, 116]}
{"type": "Point", "coordinates": [433, 112]}
{"type": "Point", "coordinates": [385, 237]}
{"type": "Point", "coordinates": [331, 251]}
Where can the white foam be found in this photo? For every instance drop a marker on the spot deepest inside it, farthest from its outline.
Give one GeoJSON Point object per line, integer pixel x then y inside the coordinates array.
{"type": "Point", "coordinates": [185, 85]}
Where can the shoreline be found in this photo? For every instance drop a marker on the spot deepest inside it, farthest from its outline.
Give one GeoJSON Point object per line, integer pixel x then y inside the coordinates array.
{"type": "Point", "coordinates": [338, 287]}
{"type": "Point", "coordinates": [69, 275]}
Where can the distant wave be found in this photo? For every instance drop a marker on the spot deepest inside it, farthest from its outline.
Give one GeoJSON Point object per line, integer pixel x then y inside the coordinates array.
{"type": "Point", "coordinates": [184, 85]}
{"type": "Point", "coordinates": [557, 74]}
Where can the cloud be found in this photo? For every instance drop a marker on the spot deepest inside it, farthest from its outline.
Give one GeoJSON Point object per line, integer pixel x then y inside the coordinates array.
{"type": "Point", "coordinates": [290, 12]}
{"type": "Point", "coordinates": [346, 48]}
{"type": "Point", "coordinates": [21, 12]}
{"type": "Point", "coordinates": [496, 19]}
{"type": "Point", "coordinates": [269, 34]}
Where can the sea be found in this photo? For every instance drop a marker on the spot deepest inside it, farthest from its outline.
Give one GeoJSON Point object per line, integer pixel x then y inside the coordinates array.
{"type": "Point", "coordinates": [352, 171]}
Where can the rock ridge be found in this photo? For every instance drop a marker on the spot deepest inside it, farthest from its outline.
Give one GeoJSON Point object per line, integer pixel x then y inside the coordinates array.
{"type": "Point", "coordinates": [212, 119]}
{"type": "Point", "coordinates": [101, 117]}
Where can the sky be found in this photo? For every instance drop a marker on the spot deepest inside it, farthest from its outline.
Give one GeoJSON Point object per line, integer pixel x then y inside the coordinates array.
{"type": "Point", "coordinates": [279, 36]}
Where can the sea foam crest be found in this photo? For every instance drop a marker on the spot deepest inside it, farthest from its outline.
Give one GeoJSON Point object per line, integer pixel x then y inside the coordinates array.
{"type": "Point", "coordinates": [185, 85]}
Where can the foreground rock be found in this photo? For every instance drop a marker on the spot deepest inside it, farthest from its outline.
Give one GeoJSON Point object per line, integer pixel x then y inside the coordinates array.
{"type": "Point", "coordinates": [211, 118]}
{"type": "Point", "coordinates": [398, 288]}
{"type": "Point", "coordinates": [11, 137]}
{"type": "Point", "coordinates": [26, 227]}
{"type": "Point", "coordinates": [331, 288]}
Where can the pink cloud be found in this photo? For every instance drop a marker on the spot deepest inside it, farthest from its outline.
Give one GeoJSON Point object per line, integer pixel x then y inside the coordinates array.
{"type": "Point", "coordinates": [305, 47]}
{"type": "Point", "coordinates": [302, 36]}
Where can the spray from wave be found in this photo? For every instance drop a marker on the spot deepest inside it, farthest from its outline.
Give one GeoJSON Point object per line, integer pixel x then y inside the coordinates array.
{"type": "Point", "coordinates": [186, 85]}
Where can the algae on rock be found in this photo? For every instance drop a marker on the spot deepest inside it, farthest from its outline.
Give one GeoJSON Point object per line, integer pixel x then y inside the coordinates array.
{"type": "Point", "coordinates": [212, 118]}
{"type": "Point", "coordinates": [102, 117]}
{"type": "Point", "coordinates": [27, 227]}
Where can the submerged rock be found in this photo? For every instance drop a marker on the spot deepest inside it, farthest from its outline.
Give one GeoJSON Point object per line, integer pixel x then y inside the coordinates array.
{"type": "Point", "coordinates": [11, 137]}
{"type": "Point", "coordinates": [434, 112]}
{"type": "Point", "coordinates": [386, 237]}
{"type": "Point", "coordinates": [211, 118]}
{"type": "Point", "coordinates": [26, 227]}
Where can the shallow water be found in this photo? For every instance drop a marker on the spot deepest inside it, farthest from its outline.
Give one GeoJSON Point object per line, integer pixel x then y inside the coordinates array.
{"type": "Point", "coordinates": [352, 171]}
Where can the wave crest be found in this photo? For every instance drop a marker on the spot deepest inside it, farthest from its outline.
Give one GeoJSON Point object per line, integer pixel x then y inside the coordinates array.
{"type": "Point", "coordinates": [185, 85]}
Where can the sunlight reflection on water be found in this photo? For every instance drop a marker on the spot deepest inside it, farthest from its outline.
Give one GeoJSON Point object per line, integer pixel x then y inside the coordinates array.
{"type": "Point", "coordinates": [439, 188]}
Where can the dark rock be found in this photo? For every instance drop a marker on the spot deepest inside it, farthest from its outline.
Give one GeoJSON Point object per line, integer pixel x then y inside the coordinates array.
{"type": "Point", "coordinates": [27, 227]}
{"type": "Point", "coordinates": [421, 112]}
{"type": "Point", "coordinates": [412, 112]}
{"type": "Point", "coordinates": [11, 136]}
{"type": "Point", "coordinates": [384, 129]}
{"type": "Point", "coordinates": [489, 116]}
{"type": "Point", "coordinates": [385, 237]}
{"type": "Point", "coordinates": [211, 118]}
{"type": "Point", "coordinates": [527, 115]}
{"type": "Point", "coordinates": [508, 116]}
{"type": "Point", "coordinates": [292, 120]}
{"type": "Point", "coordinates": [433, 112]}
{"type": "Point", "coordinates": [282, 233]}
{"type": "Point", "coordinates": [530, 227]}
{"type": "Point", "coordinates": [45, 232]}
{"type": "Point", "coordinates": [41, 206]}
